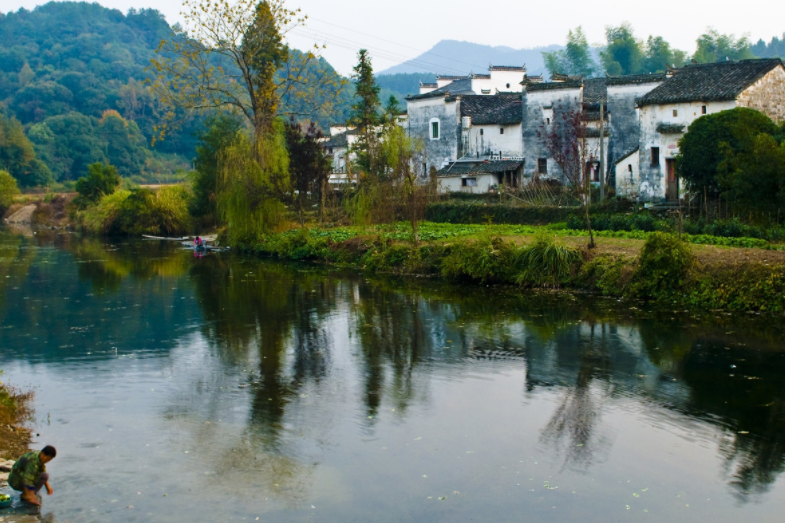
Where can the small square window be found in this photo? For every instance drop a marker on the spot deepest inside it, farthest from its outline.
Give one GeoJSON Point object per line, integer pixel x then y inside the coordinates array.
{"type": "Point", "coordinates": [548, 121]}
{"type": "Point", "coordinates": [542, 166]}
{"type": "Point", "coordinates": [482, 132]}
{"type": "Point", "coordinates": [703, 109]}
{"type": "Point", "coordinates": [655, 156]}
{"type": "Point", "coordinates": [675, 113]}
{"type": "Point", "coordinates": [629, 167]}
{"type": "Point", "coordinates": [469, 182]}
{"type": "Point", "coordinates": [501, 130]}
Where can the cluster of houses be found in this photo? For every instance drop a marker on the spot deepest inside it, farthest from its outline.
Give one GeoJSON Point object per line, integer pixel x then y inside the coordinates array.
{"type": "Point", "coordinates": [482, 131]}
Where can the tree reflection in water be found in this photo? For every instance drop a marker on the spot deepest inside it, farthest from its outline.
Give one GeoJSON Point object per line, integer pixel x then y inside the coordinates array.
{"type": "Point", "coordinates": [276, 325]}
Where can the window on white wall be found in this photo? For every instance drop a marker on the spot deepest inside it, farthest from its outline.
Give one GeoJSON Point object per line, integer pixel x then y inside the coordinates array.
{"type": "Point", "coordinates": [501, 130]}
{"type": "Point", "coordinates": [469, 182]}
{"type": "Point", "coordinates": [703, 109]}
{"type": "Point", "coordinates": [675, 113]}
{"type": "Point", "coordinates": [435, 129]}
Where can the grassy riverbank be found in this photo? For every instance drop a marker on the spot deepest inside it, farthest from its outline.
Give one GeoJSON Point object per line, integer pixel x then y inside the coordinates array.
{"type": "Point", "coordinates": [707, 272]}
{"type": "Point", "coordinates": [15, 411]}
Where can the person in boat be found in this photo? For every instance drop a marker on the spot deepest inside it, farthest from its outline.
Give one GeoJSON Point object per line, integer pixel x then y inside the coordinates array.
{"type": "Point", "coordinates": [29, 475]}
{"type": "Point", "coordinates": [198, 242]}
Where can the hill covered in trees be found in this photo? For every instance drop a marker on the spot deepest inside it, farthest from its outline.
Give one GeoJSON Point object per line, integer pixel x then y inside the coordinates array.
{"type": "Point", "coordinates": [73, 74]}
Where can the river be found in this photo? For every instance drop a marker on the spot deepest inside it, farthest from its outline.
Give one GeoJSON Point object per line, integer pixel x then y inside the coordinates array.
{"type": "Point", "coordinates": [229, 388]}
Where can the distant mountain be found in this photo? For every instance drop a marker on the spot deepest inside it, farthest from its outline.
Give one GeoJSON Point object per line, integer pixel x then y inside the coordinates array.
{"type": "Point", "coordinates": [456, 57]}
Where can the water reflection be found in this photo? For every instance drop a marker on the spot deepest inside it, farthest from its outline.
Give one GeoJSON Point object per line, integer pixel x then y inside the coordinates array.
{"type": "Point", "coordinates": [290, 336]}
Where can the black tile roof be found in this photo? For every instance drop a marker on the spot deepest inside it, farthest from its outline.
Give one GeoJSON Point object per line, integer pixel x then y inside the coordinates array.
{"type": "Point", "coordinates": [339, 140]}
{"type": "Point", "coordinates": [710, 82]}
{"type": "Point", "coordinates": [502, 109]}
{"type": "Point", "coordinates": [626, 155]}
{"type": "Point", "coordinates": [468, 168]}
{"type": "Point", "coordinates": [547, 86]}
{"type": "Point", "coordinates": [635, 79]}
{"type": "Point", "coordinates": [514, 68]}
{"type": "Point", "coordinates": [595, 91]}
{"type": "Point", "coordinates": [457, 87]}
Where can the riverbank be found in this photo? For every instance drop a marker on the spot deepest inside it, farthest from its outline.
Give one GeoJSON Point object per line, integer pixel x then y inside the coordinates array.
{"type": "Point", "coordinates": [15, 412]}
{"type": "Point", "coordinates": [702, 272]}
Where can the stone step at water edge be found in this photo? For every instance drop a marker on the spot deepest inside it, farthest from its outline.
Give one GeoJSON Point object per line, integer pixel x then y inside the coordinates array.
{"type": "Point", "coordinates": [6, 466]}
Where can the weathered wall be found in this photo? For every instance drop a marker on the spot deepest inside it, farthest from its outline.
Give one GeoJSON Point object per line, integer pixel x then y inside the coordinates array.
{"type": "Point", "coordinates": [623, 120]}
{"type": "Point", "coordinates": [652, 177]}
{"type": "Point", "coordinates": [480, 139]}
{"type": "Point", "coordinates": [626, 172]}
{"type": "Point", "coordinates": [455, 183]}
{"type": "Point", "coordinates": [767, 95]}
{"type": "Point", "coordinates": [444, 150]}
{"type": "Point", "coordinates": [537, 105]}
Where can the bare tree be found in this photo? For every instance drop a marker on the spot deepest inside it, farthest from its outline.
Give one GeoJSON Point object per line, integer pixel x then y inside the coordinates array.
{"type": "Point", "coordinates": [566, 141]}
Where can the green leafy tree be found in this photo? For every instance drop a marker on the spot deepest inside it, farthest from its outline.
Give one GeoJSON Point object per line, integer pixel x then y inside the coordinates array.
{"type": "Point", "coordinates": [101, 180]}
{"type": "Point", "coordinates": [309, 167]}
{"type": "Point", "coordinates": [17, 155]}
{"type": "Point", "coordinates": [659, 56]}
{"type": "Point", "coordinates": [219, 132]}
{"type": "Point", "coordinates": [754, 178]}
{"type": "Point", "coordinates": [574, 59]}
{"type": "Point", "coordinates": [68, 143]}
{"type": "Point", "coordinates": [365, 113]}
{"type": "Point", "coordinates": [8, 189]}
{"type": "Point", "coordinates": [711, 138]}
{"type": "Point", "coordinates": [623, 53]}
{"type": "Point", "coordinates": [716, 47]}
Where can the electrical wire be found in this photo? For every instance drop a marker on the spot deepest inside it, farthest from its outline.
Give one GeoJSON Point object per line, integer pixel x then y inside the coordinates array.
{"type": "Point", "coordinates": [382, 53]}
{"type": "Point", "coordinates": [395, 43]}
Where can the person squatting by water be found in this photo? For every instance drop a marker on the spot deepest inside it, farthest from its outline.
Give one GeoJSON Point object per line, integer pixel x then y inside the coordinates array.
{"type": "Point", "coordinates": [29, 475]}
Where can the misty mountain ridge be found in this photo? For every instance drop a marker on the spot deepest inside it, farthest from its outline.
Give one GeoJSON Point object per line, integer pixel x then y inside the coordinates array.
{"type": "Point", "coordinates": [455, 57]}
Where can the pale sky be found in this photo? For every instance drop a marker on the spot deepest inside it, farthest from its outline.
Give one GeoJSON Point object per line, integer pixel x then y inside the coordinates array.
{"type": "Point", "coordinates": [402, 29]}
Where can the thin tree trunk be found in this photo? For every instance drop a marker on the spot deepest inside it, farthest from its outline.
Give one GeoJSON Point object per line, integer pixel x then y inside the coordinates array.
{"type": "Point", "coordinates": [321, 209]}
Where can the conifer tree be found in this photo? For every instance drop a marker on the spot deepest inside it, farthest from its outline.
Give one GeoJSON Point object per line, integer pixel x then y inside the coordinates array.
{"type": "Point", "coordinates": [365, 112]}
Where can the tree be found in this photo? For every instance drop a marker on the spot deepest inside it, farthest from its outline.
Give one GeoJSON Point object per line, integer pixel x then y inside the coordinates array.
{"type": "Point", "coordinates": [659, 56]}
{"type": "Point", "coordinates": [219, 132]}
{"type": "Point", "coordinates": [8, 189]}
{"type": "Point", "coordinates": [309, 168]}
{"type": "Point", "coordinates": [17, 155]}
{"type": "Point", "coordinates": [365, 113]}
{"type": "Point", "coordinates": [754, 178]}
{"type": "Point", "coordinates": [400, 153]}
{"type": "Point", "coordinates": [575, 59]}
{"type": "Point", "coordinates": [711, 138]}
{"type": "Point", "coordinates": [233, 56]}
{"type": "Point", "coordinates": [623, 53]}
{"type": "Point", "coordinates": [566, 142]}
{"type": "Point", "coordinates": [101, 180]}
{"type": "Point", "coordinates": [716, 47]}
{"type": "Point", "coordinates": [774, 49]}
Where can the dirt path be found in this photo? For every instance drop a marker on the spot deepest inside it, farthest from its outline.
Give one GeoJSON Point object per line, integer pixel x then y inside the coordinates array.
{"type": "Point", "coordinates": [23, 215]}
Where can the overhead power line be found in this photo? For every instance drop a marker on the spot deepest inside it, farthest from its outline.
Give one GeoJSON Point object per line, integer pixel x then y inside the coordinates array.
{"type": "Point", "coordinates": [397, 43]}
{"type": "Point", "coordinates": [346, 43]}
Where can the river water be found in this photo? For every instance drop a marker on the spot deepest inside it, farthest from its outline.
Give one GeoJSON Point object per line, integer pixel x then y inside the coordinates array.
{"type": "Point", "coordinates": [227, 388]}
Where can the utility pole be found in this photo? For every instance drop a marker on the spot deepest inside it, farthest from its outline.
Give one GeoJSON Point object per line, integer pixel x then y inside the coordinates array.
{"type": "Point", "coordinates": [602, 152]}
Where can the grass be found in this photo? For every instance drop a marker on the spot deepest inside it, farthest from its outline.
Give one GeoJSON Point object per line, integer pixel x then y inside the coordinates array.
{"type": "Point", "coordinates": [654, 266]}
{"type": "Point", "coordinates": [15, 410]}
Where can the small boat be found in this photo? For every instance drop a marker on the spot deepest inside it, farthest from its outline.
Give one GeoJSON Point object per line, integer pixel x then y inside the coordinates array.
{"type": "Point", "coordinates": [204, 247]}
{"type": "Point", "coordinates": [164, 238]}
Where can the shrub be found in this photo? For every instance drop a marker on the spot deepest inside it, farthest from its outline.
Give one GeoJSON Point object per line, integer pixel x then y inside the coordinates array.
{"type": "Point", "coordinates": [140, 211]}
{"type": "Point", "coordinates": [547, 262]}
{"type": "Point", "coordinates": [663, 266]}
{"type": "Point", "coordinates": [8, 189]}
{"type": "Point", "coordinates": [101, 180]}
{"type": "Point", "coordinates": [488, 259]}
{"type": "Point", "coordinates": [606, 274]}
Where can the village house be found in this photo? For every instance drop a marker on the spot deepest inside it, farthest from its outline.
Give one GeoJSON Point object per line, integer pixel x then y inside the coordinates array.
{"type": "Point", "coordinates": [471, 128]}
{"type": "Point", "coordinates": [667, 111]}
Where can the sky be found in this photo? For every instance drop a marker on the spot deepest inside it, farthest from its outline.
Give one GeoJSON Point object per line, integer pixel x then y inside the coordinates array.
{"type": "Point", "coordinates": [400, 30]}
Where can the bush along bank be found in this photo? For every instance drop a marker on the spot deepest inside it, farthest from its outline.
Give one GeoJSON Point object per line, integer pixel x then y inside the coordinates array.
{"type": "Point", "coordinates": [666, 272]}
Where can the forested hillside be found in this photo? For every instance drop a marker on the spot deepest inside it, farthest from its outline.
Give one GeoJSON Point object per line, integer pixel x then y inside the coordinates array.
{"type": "Point", "coordinates": [73, 74]}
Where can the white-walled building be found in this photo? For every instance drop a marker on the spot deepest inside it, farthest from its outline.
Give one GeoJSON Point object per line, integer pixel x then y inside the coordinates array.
{"type": "Point", "coordinates": [667, 111]}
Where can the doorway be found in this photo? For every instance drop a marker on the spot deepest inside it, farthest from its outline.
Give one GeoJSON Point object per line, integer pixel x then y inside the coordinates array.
{"type": "Point", "coordinates": [672, 185]}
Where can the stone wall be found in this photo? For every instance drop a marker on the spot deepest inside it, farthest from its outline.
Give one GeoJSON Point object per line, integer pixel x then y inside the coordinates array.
{"type": "Point", "coordinates": [767, 95]}
{"type": "Point", "coordinates": [538, 105]}
{"type": "Point", "coordinates": [438, 153]}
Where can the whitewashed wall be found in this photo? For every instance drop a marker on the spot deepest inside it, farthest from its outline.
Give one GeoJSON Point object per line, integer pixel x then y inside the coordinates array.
{"type": "Point", "coordinates": [455, 183]}
{"type": "Point", "coordinates": [482, 138]}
